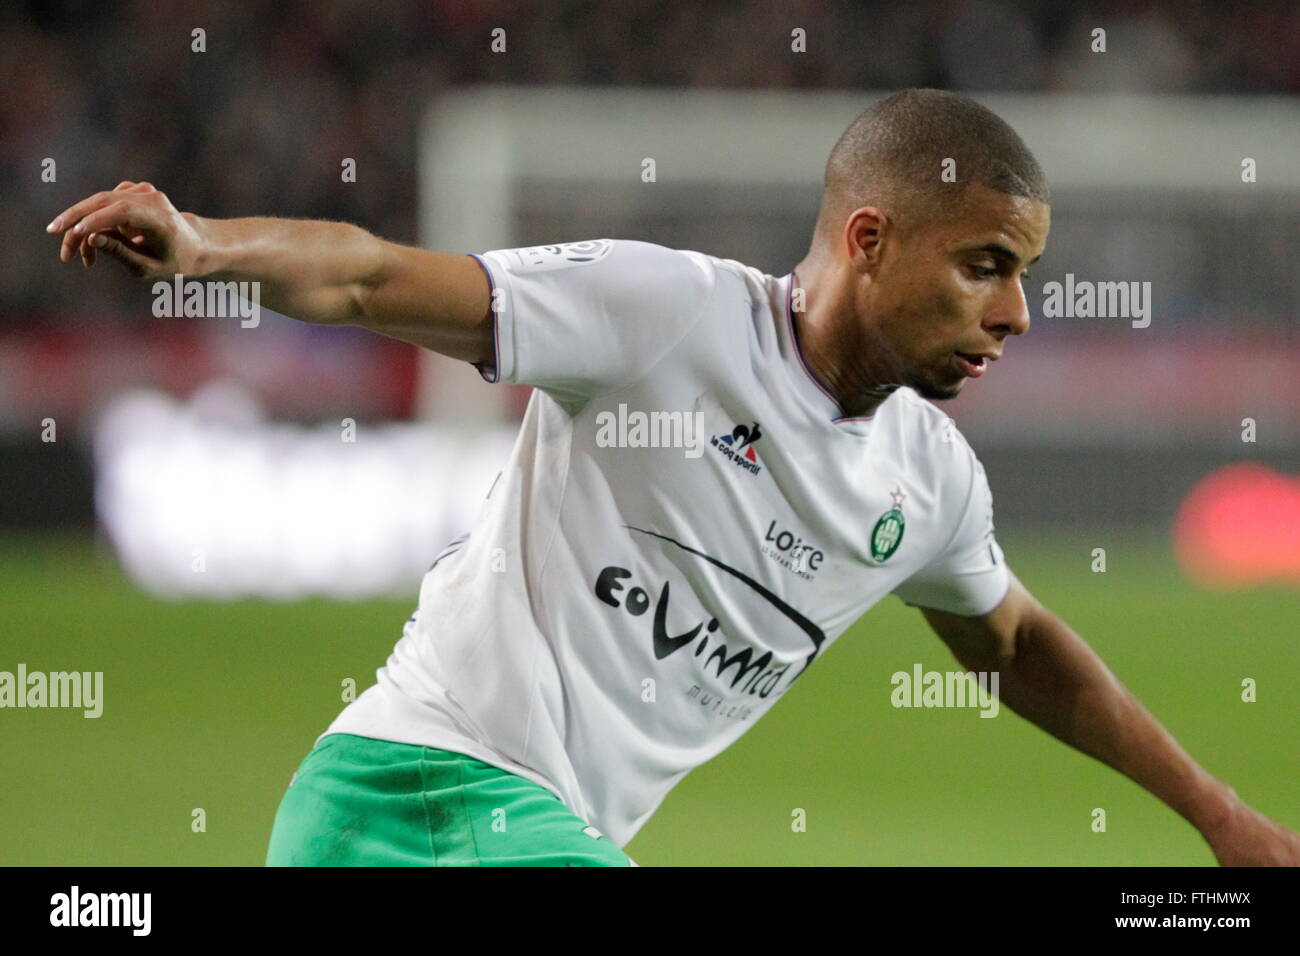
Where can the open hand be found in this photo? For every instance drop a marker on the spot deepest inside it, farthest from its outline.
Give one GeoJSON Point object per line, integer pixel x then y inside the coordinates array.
{"type": "Point", "coordinates": [135, 224]}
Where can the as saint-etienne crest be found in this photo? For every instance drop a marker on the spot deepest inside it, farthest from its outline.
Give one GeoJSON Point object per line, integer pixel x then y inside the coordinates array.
{"type": "Point", "coordinates": [887, 535]}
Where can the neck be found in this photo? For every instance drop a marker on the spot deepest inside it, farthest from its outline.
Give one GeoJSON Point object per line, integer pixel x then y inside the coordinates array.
{"type": "Point", "coordinates": [836, 348]}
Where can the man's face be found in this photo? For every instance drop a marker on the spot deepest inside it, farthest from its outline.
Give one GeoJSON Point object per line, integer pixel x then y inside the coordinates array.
{"type": "Point", "coordinates": [941, 299]}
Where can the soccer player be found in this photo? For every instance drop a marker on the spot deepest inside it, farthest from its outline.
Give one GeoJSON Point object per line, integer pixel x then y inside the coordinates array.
{"type": "Point", "coordinates": [620, 613]}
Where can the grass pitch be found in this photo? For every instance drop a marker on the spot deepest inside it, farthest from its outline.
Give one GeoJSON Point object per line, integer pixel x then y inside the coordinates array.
{"type": "Point", "coordinates": [213, 705]}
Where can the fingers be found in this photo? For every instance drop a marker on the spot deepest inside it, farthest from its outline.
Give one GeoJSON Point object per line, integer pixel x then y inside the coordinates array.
{"type": "Point", "coordinates": [122, 214]}
{"type": "Point", "coordinates": [73, 239]}
{"type": "Point", "coordinates": [74, 213]}
{"type": "Point", "coordinates": [68, 247]}
{"type": "Point", "coordinates": [116, 246]}
{"type": "Point", "coordinates": [71, 217]}
{"type": "Point", "coordinates": [89, 245]}
{"type": "Point", "coordinates": [119, 224]}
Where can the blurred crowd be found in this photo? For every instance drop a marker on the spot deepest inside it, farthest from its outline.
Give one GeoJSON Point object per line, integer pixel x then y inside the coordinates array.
{"type": "Point", "coordinates": [260, 121]}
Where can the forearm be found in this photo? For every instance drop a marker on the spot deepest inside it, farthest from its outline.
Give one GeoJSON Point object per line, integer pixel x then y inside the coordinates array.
{"type": "Point", "coordinates": [330, 273]}
{"type": "Point", "coordinates": [315, 271]}
{"type": "Point", "coordinates": [1054, 679]}
{"type": "Point", "coordinates": [334, 273]}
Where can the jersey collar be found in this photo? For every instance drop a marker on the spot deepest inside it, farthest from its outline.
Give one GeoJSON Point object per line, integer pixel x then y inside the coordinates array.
{"type": "Point", "coordinates": [807, 384]}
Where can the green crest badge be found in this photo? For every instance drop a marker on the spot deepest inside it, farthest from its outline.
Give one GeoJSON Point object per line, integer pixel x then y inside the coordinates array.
{"type": "Point", "coordinates": [887, 535]}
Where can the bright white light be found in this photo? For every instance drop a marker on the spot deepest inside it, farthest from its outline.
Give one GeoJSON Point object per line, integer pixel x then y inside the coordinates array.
{"type": "Point", "coordinates": [206, 499]}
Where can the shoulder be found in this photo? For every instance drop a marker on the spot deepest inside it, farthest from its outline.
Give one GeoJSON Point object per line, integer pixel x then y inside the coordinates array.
{"type": "Point", "coordinates": [686, 282]}
{"type": "Point", "coordinates": [735, 275]}
{"type": "Point", "coordinates": [608, 260]}
{"type": "Point", "coordinates": [931, 440]}
{"type": "Point", "coordinates": [926, 424]}
{"type": "Point", "coordinates": [604, 278]}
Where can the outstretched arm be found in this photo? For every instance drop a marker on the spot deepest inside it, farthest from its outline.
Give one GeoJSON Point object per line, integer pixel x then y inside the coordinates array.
{"type": "Point", "coordinates": [329, 273]}
{"type": "Point", "coordinates": [1050, 676]}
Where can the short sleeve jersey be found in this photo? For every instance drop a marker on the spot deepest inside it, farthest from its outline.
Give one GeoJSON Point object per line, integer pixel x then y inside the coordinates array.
{"type": "Point", "coordinates": [684, 526]}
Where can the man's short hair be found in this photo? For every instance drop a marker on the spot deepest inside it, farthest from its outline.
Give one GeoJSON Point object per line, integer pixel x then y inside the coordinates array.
{"type": "Point", "coordinates": [893, 155]}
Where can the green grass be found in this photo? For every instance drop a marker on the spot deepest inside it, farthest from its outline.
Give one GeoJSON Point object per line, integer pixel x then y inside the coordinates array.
{"type": "Point", "coordinates": [213, 705]}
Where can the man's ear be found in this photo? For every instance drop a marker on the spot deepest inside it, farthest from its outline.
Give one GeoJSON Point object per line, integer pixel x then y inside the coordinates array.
{"type": "Point", "coordinates": [864, 230]}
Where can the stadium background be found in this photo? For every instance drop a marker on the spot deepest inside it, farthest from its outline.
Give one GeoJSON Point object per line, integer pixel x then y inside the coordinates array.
{"type": "Point", "coordinates": [173, 433]}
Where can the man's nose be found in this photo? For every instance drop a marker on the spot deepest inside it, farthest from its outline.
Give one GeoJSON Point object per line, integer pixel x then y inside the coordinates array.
{"type": "Point", "coordinates": [1011, 314]}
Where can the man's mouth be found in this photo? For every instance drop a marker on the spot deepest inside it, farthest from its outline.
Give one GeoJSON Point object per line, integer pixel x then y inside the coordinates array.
{"type": "Point", "coordinates": [972, 366]}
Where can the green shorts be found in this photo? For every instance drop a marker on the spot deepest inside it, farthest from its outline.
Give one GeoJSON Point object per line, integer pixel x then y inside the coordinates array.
{"type": "Point", "coordinates": [361, 802]}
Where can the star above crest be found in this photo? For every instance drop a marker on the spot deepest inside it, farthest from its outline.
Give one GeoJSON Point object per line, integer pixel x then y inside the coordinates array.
{"type": "Point", "coordinates": [898, 496]}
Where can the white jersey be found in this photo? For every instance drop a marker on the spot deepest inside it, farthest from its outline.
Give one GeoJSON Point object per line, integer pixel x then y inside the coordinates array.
{"type": "Point", "coordinates": [620, 613]}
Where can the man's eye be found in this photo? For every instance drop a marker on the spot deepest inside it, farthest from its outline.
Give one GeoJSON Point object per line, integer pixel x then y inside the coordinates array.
{"type": "Point", "coordinates": [982, 272]}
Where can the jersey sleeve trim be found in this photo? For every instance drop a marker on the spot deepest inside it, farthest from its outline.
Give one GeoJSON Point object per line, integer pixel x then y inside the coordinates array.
{"type": "Point", "coordinates": [1003, 591]}
{"type": "Point", "coordinates": [502, 327]}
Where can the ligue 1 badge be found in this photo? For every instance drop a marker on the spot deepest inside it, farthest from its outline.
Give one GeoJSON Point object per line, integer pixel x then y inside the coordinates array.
{"type": "Point", "coordinates": [887, 535]}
